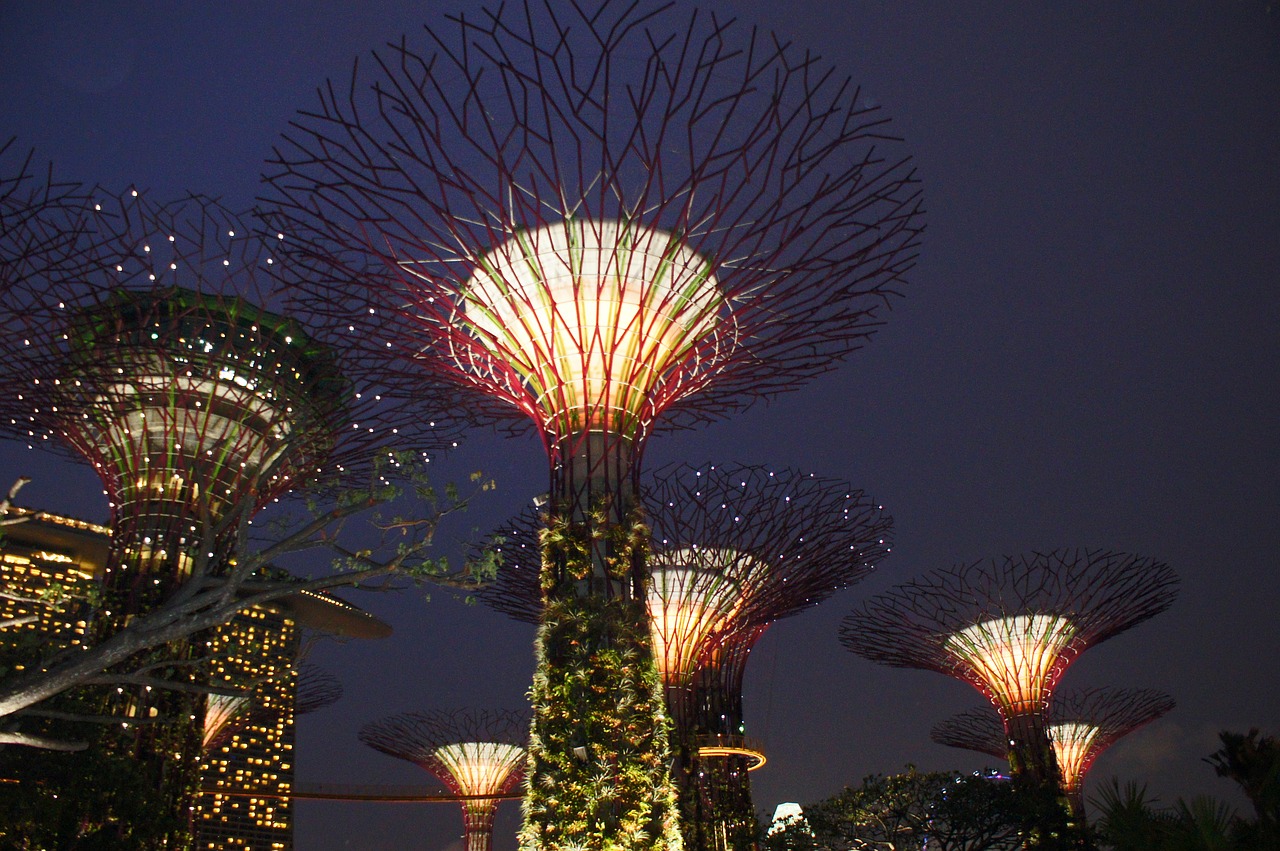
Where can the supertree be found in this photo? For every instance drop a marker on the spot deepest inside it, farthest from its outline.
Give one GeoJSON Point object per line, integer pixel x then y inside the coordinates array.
{"type": "Point", "coordinates": [153, 359]}
{"type": "Point", "coordinates": [598, 221]}
{"type": "Point", "coordinates": [734, 549]}
{"type": "Point", "coordinates": [1081, 725]}
{"type": "Point", "coordinates": [1010, 628]}
{"type": "Point", "coordinates": [480, 756]}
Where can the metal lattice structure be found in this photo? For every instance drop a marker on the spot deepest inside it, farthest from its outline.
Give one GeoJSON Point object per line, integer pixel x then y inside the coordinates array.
{"type": "Point", "coordinates": [316, 689]}
{"type": "Point", "coordinates": [594, 222]}
{"type": "Point", "coordinates": [734, 548]}
{"type": "Point", "coordinates": [41, 226]}
{"type": "Point", "coordinates": [1011, 627]}
{"type": "Point", "coordinates": [1081, 726]}
{"type": "Point", "coordinates": [597, 220]}
{"type": "Point", "coordinates": [149, 352]}
{"type": "Point", "coordinates": [477, 754]}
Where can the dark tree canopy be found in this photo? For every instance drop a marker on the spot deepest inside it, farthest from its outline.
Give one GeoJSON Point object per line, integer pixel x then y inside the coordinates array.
{"type": "Point", "coordinates": [912, 811]}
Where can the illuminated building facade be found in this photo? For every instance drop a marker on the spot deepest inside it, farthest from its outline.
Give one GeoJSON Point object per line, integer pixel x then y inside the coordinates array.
{"type": "Point", "coordinates": [734, 548]}
{"type": "Point", "coordinates": [551, 250]}
{"type": "Point", "coordinates": [1010, 628]}
{"type": "Point", "coordinates": [246, 774]}
{"type": "Point", "coordinates": [1081, 726]}
{"type": "Point", "coordinates": [477, 754]}
{"type": "Point", "coordinates": [247, 749]}
{"type": "Point", "coordinates": [45, 555]}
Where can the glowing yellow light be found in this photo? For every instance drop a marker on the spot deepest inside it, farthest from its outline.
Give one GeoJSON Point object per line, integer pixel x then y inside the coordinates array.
{"type": "Point", "coordinates": [480, 768]}
{"type": "Point", "coordinates": [1014, 656]}
{"type": "Point", "coordinates": [1073, 746]}
{"type": "Point", "coordinates": [45, 555]}
{"type": "Point", "coordinates": [737, 746]}
{"type": "Point", "coordinates": [688, 605]}
{"type": "Point", "coordinates": [592, 315]}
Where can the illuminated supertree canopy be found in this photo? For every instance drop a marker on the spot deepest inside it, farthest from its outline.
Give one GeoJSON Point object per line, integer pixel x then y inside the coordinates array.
{"type": "Point", "coordinates": [154, 358]}
{"type": "Point", "coordinates": [616, 215]}
{"type": "Point", "coordinates": [1081, 725]}
{"type": "Point", "coordinates": [479, 755]}
{"type": "Point", "coordinates": [596, 220]}
{"type": "Point", "coordinates": [734, 548]}
{"type": "Point", "coordinates": [1010, 627]}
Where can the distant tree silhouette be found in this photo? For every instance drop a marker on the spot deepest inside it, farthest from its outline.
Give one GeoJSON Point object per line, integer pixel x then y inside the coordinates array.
{"type": "Point", "coordinates": [1253, 761]}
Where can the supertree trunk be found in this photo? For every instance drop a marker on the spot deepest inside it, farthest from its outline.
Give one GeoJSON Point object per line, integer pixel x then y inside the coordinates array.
{"type": "Point", "coordinates": [1031, 753]}
{"type": "Point", "coordinates": [477, 823]}
{"type": "Point", "coordinates": [153, 547]}
{"type": "Point", "coordinates": [1049, 824]}
{"type": "Point", "coordinates": [721, 791]}
{"type": "Point", "coordinates": [599, 746]}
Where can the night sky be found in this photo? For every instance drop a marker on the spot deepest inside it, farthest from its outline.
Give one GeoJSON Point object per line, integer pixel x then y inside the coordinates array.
{"type": "Point", "coordinates": [1087, 354]}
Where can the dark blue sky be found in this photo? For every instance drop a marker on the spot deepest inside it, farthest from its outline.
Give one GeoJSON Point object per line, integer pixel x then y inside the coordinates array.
{"type": "Point", "coordinates": [1087, 354]}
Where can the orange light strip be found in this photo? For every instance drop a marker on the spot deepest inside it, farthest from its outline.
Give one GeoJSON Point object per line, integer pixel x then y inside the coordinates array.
{"type": "Point", "coordinates": [757, 758]}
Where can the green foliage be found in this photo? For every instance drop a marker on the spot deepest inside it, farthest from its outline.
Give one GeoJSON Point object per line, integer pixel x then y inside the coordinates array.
{"type": "Point", "coordinates": [598, 754]}
{"type": "Point", "coordinates": [941, 811]}
{"type": "Point", "coordinates": [1130, 820]}
{"type": "Point", "coordinates": [1127, 818]}
{"type": "Point", "coordinates": [574, 545]}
